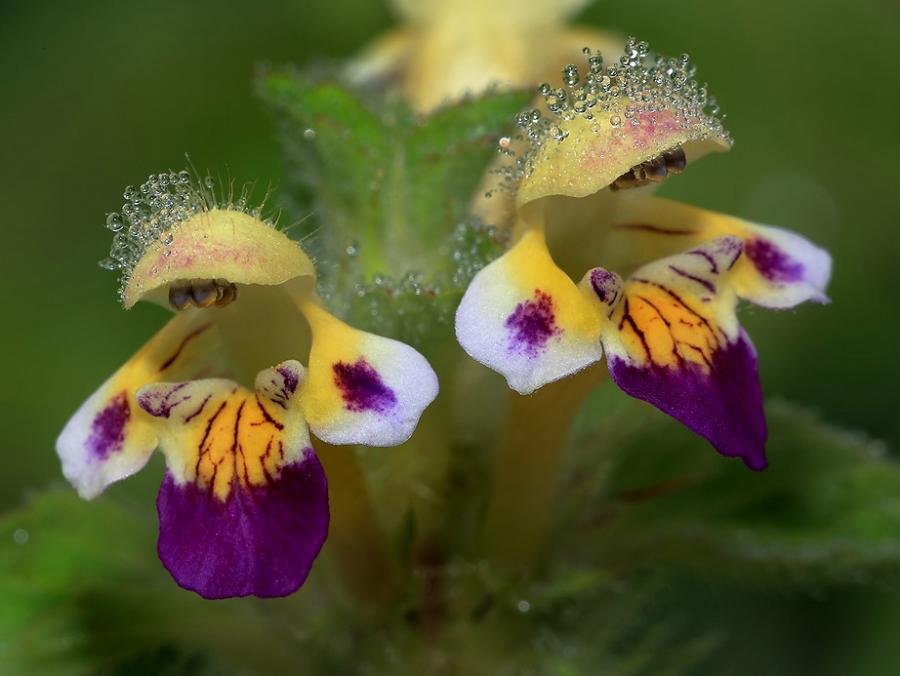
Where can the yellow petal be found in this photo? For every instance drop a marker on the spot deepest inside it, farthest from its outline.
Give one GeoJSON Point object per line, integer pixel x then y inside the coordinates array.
{"type": "Point", "coordinates": [218, 435]}
{"type": "Point", "coordinates": [779, 268]}
{"type": "Point", "coordinates": [538, 12]}
{"type": "Point", "coordinates": [109, 437]}
{"type": "Point", "coordinates": [220, 243]}
{"type": "Point", "coordinates": [362, 388]}
{"type": "Point", "coordinates": [525, 318]}
{"type": "Point", "coordinates": [462, 53]}
{"type": "Point", "coordinates": [678, 309]}
{"type": "Point", "coordinates": [448, 50]}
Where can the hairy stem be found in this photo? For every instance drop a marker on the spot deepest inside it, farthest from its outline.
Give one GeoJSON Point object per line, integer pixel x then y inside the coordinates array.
{"type": "Point", "coordinates": [356, 543]}
{"type": "Point", "coordinates": [526, 466]}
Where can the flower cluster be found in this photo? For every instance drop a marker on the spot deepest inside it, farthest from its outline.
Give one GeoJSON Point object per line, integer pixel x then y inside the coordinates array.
{"type": "Point", "coordinates": [244, 505]}
{"type": "Point", "coordinates": [669, 331]}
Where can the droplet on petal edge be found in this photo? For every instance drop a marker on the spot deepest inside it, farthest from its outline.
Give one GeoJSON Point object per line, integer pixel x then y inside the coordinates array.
{"type": "Point", "coordinates": [619, 96]}
{"type": "Point", "coordinates": [153, 212]}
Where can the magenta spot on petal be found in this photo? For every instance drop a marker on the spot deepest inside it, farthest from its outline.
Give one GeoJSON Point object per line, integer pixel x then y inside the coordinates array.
{"type": "Point", "coordinates": [532, 324]}
{"type": "Point", "coordinates": [362, 387]}
{"type": "Point", "coordinates": [773, 263]}
{"type": "Point", "coordinates": [108, 427]}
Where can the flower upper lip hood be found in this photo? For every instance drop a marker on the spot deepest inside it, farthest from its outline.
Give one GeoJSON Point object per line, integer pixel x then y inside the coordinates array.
{"type": "Point", "coordinates": [243, 507]}
{"type": "Point", "coordinates": [219, 243]}
{"type": "Point", "coordinates": [613, 117]}
{"type": "Point", "coordinates": [593, 155]}
{"type": "Point", "coordinates": [669, 330]}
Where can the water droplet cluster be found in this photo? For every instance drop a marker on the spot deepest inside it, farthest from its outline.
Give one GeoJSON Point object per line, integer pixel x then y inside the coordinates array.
{"type": "Point", "coordinates": [415, 307]}
{"type": "Point", "coordinates": [617, 94]}
{"type": "Point", "coordinates": [153, 212]}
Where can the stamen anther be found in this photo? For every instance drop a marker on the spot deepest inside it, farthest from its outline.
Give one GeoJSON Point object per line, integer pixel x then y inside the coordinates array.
{"type": "Point", "coordinates": [652, 171]}
{"type": "Point", "coordinates": [202, 293]}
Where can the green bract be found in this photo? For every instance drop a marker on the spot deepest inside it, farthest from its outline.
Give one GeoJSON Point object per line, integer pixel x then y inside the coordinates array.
{"type": "Point", "coordinates": [382, 196]}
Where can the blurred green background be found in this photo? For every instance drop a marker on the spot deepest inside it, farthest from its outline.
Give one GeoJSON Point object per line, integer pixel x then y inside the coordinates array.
{"type": "Point", "coordinates": [97, 94]}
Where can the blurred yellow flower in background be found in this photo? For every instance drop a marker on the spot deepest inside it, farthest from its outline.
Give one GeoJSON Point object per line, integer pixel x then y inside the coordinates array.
{"type": "Point", "coordinates": [446, 50]}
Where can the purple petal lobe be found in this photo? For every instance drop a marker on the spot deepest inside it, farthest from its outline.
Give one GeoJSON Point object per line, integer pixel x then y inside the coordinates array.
{"type": "Point", "coordinates": [261, 541]}
{"type": "Point", "coordinates": [722, 404]}
{"type": "Point", "coordinates": [108, 427]}
{"type": "Point", "coordinates": [532, 324]}
{"type": "Point", "coordinates": [771, 262]}
{"type": "Point", "coordinates": [362, 388]}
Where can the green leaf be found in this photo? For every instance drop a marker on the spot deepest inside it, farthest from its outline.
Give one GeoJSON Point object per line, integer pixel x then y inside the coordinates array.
{"type": "Point", "coordinates": [826, 509]}
{"type": "Point", "coordinates": [84, 593]}
{"type": "Point", "coordinates": [337, 148]}
{"type": "Point", "coordinates": [448, 155]}
{"type": "Point", "coordinates": [383, 196]}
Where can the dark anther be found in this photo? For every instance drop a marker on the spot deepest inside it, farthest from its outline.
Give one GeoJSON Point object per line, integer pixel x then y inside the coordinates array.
{"type": "Point", "coordinates": [675, 161]}
{"type": "Point", "coordinates": [652, 171]}
{"type": "Point", "coordinates": [202, 293]}
{"type": "Point", "coordinates": [205, 293]}
{"type": "Point", "coordinates": [626, 180]}
{"type": "Point", "coordinates": [227, 292]}
{"type": "Point", "coordinates": [180, 296]}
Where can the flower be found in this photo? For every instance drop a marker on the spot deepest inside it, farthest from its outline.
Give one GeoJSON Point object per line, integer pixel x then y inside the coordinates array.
{"type": "Point", "coordinates": [669, 331]}
{"type": "Point", "coordinates": [451, 48]}
{"type": "Point", "coordinates": [243, 507]}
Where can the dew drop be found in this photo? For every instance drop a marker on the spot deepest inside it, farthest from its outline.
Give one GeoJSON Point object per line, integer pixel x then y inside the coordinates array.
{"type": "Point", "coordinates": [558, 132]}
{"type": "Point", "coordinates": [114, 222]}
{"type": "Point", "coordinates": [571, 75]}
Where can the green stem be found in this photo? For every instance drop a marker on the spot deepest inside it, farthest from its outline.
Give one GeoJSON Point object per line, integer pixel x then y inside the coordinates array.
{"type": "Point", "coordinates": [356, 543]}
{"type": "Point", "coordinates": [526, 466]}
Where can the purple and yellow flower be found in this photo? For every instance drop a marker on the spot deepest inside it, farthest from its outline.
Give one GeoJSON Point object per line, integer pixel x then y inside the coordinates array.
{"type": "Point", "coordinates": [669, 331]}
{"type": "Point", "coordinates": [243, 507]}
